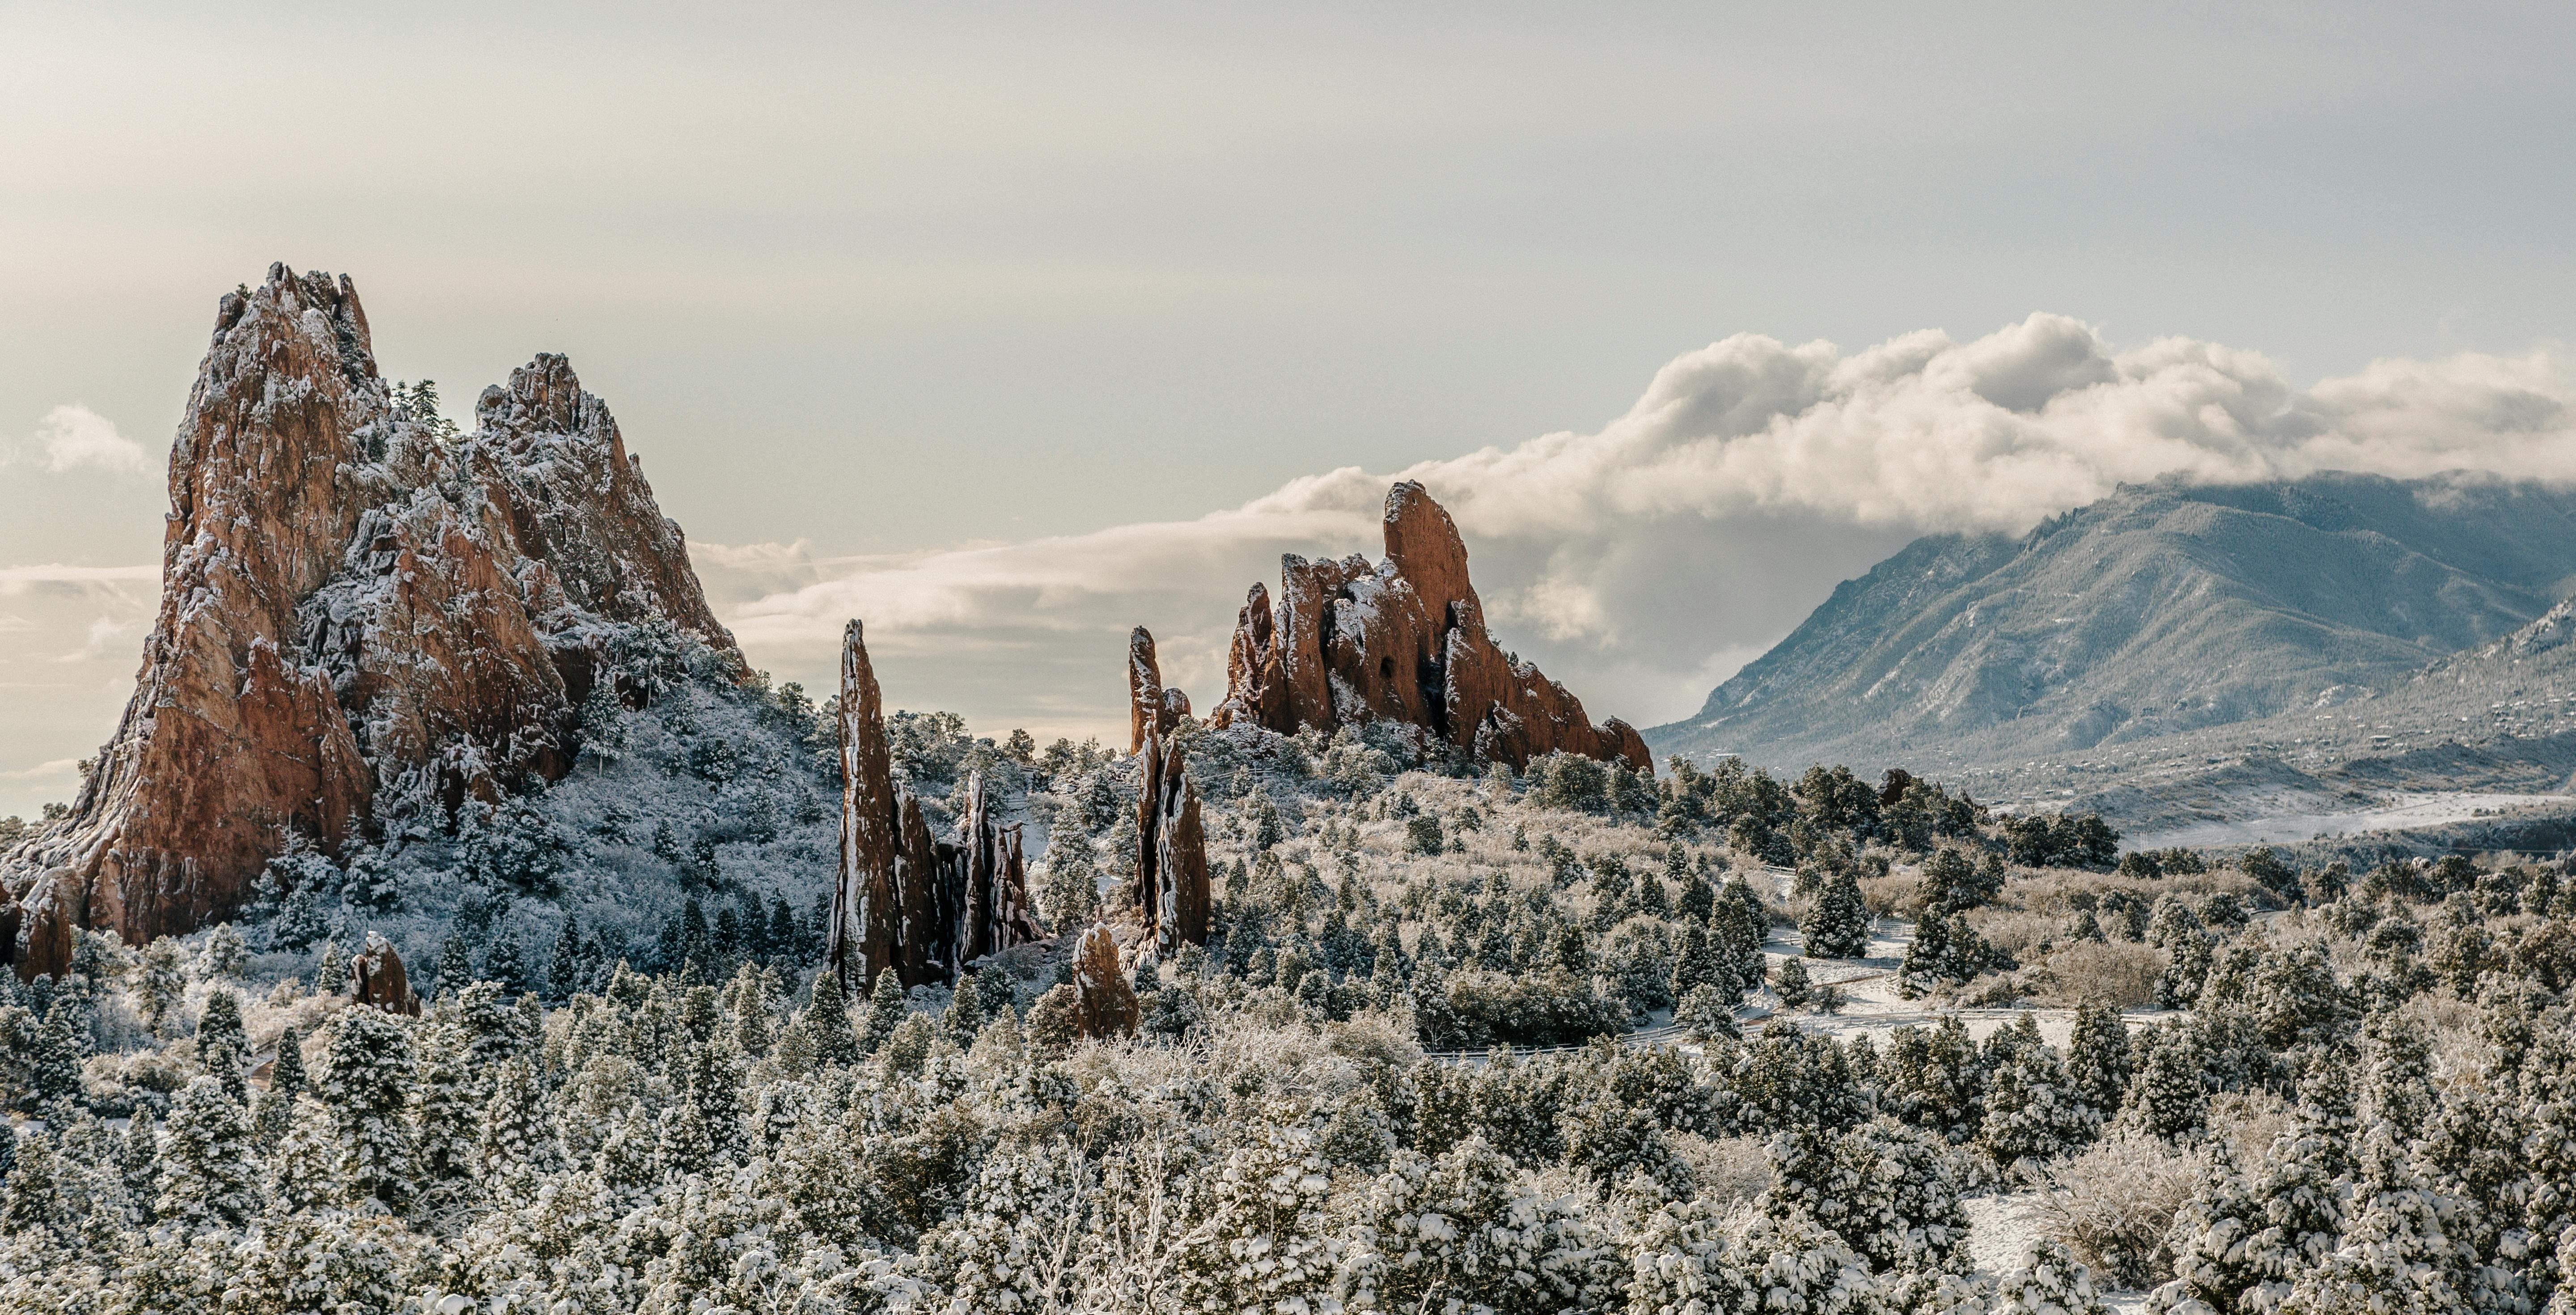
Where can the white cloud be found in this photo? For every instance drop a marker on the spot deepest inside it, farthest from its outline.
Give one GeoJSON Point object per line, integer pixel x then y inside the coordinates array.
{"type": "Point", "coordinates": [1623, 559]}
{"type": "Point", "coordinates": [64, 768]}
{"type": "Point", "coordinates": [73, 437]}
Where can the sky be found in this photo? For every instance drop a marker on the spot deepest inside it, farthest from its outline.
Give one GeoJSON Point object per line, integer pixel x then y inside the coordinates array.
{"type": "Point", "coordinates": [1006, 328]}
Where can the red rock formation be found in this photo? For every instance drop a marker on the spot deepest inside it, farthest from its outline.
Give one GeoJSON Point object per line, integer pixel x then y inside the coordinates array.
{"type": "Point", "coordinates": [1152, 709]}
{"type": "Point", "coordinates": [376, 978]}
{"type": "Point", "coordinates": [866, 919]}
{"type": "Point", "coordinates": [1104, 1005]}
{"type": "Point", "coordinates": [1171, 851]}
{"type": "Point", "coordinates": [923, 908]}
{"type": "Point", "coordinates": [359, 612]}
{"type": "Point", "coordinates": [1404, 641]}
{"type": "Point", "coordinates": [996, 880]}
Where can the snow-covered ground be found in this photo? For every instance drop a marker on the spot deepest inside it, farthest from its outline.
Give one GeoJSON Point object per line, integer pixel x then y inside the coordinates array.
{"type": "Point", "coordinates": [2401, 810]}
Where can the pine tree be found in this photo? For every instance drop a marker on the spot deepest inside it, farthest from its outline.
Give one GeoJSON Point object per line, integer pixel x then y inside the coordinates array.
{"type": "Point", "coordinates": [1260, 1237]}
{"type": "Point", "coordinates": [826, 1021]}
{"type": "Point", "coordinates": [331, 974]}
{"type": "Point", "coordinates": [445, 1116]}
{"type": "Point", "coordinates": [965, 1016]}
{"type": "Point", "coordinates": [31, 1197]}
{"type": "Point", "coordinates": [285, 1082]}
{"type": "Point", "coordinates": [2167, 1097]}
{"type": "Point", "coordinates": [1838, 925]}
{"type": "Point", "coordinates": [368, 1075]}
{"type": "Point", "coordinates": [566, 972]}
{"type": "Point", "coordinates": [886, 1011]}
{"type": "Point", "coordinates": [208, 1177]}
{"type": "Point", "coordinates": [1792, 984]}
{"type": "Point", "coordinates": [223, 1048]}
{"type": "Point", "coordinates": [2047, 1280]}
{"type": "Point", "coordinates": [56, 1075]}
{"type": "Point", "coordinates": [455, 965]}
{"type": "Point", "coordinates": [518, 1136]}
{"type": "Point", "coordinates": [160, 979]}
{"type": "Point", "coordinates": [2099, 1060]}
{"type": "Point", "coordinates": [1697, 963]}
{"type": "Point", "coordinates": [506, 964]}
{"type": "Point", "coordinates": [307, 1163]}
{"type": "Point", "coordinates": [2032, 1109]}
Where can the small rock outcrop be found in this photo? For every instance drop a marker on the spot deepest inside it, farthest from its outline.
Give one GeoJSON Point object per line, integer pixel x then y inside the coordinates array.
{"type": "Point", "coordinates": [1403, 641]}
{"type": "Point", "coordinates": [1171, 850]}
{"type": "Point", "coordinates": [905, 901]}
{"type": "Point", "coordinates": [362, 612]}
{"type": "Point", "coordinates": [377, 980]}
{"type": "Point", "coordinates": [1104, 1004]}
{"type": "Point", "coordinates": [1152, 708]}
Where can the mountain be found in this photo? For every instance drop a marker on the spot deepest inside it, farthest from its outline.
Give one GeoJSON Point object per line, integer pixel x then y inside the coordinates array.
{"type": "Point", "coordinates": [2159, 613]}
{"type": "Point", "coordinates": [365, 616]}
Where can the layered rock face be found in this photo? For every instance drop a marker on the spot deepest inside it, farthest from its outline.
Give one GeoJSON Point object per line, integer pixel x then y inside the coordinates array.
{"type": "Point", "coordinates": [1152, 709]}
{"type": "Point", "coordinates": [1404, 641]}
{"type": "Point", "coordinates": [361, 612]}
{"type": "Point", "coordinates": [1171, 850]}
{"type": "Point", "coordinates": [921, 907]}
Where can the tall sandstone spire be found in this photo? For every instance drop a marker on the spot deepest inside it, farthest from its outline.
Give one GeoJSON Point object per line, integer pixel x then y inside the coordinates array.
{"type": "Point", "coordinates": [1402, 641]}
{"type": "Point", "coordinates": [360, 612]}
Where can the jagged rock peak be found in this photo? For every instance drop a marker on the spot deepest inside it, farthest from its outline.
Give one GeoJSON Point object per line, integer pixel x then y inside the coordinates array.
{"type": "Point", "coordinates": [1152, 708]}
{"type": "Point", "coordinates": [866, 932]}
{"type": "Point", "coordinates": [1403, 641]}
{"type": "Point", "coordinates": [361, 612]}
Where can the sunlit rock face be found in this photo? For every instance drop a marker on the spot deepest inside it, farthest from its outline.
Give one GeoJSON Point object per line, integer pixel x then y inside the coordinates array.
{"type": "Point", "coordinates": [362, 612]}
{"type": "Point", "coordinates": [1402, 641]}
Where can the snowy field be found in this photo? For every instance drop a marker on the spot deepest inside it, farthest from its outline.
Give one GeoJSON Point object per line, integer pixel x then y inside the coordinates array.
{"type": "Point", "coordinates": [2402, 810]}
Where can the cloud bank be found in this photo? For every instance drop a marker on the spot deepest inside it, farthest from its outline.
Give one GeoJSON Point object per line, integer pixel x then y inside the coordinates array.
{"type": "Point", "coordinates": [1642, 562]}
{"type": "Point", "coordinates": [73, 437]}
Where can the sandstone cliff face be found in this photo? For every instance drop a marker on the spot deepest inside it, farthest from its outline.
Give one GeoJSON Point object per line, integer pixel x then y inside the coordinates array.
{"type": "Point", "coordinates": [1402, 641]}
{"type": "Point", "coordinates": [360, 613]}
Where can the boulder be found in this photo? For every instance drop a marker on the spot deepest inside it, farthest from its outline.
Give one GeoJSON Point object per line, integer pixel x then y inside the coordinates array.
{"type": "Point", "coordinates": [361, 612]}
{"type": "Point", "coordinates": [377, 980]}
{"type": "Point", "coordinates": [1403, 641]}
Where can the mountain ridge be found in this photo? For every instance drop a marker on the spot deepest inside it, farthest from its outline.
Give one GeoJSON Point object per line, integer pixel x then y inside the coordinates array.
{"type": "Point", "coordinates": [2163, 608]}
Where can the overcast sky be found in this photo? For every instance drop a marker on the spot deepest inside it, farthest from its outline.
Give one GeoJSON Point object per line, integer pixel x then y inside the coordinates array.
{"type": "Point", "coordinates": [1006, 328]}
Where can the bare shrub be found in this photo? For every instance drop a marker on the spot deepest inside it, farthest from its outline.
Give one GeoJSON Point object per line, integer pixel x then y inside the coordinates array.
{"type": "Point", "coordinates": [1893, 897]}
{"type": "Point", "coordinates": [2115, 1203]}
{"type": "Point", "coordinates": [1728, 1169]}
{"type": "Point", "coordinates": [2121, 973]}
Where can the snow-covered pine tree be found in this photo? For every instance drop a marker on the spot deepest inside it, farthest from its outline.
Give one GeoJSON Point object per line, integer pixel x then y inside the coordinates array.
{"type": "Point", "coordinates": [445, 1116]}
{"type": "Point", "coordinates": [2047, 1280]}
{"type": "Point", "coordinates": [223, 1048]}
{"type": "Point", "coordinates": [2099, 1061]}
{"type": "Point", "coordinates": [1791, 983]}
{"type": "Point", "coordinates": [276, 1105]}
{"type": "Point", "coordinates": [2032, 1109]}
{"type": "Point", "coordinates": [55, 1077]}
{"type": "Point", "coordinates": [2169, 1097]}
{"type": "Point", "coordinates": [517, 1138]}
{"type": "Point", "coordinates": [1838, 925]}
{"type": "Point", "coordinates": [365, 1082]}
{"type": "Point", "coordinates": [887, 1009]}
{"type": "Point", "coordinates": [208, 1176]}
